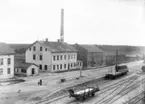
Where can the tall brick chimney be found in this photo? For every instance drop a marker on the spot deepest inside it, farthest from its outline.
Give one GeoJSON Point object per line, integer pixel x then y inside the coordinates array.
{"type": "Point", "coordinates": [62, 26]}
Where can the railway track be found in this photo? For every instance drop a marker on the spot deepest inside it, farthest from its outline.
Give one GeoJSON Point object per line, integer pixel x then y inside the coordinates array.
{"type": "Point", "coordinates": [136, 99]}
{"type": "Point", "coordinates": [50, 99]}
{"type": "Point", "coordinates": [128, 88]}
{"type": "Point", "coordinates": [108, 97]}
{"type": "Point", "coordinates": [115, 85]}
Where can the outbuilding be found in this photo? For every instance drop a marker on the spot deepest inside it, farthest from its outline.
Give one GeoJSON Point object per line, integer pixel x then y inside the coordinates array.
{"type": "Point", "coordinates": [26, 69]}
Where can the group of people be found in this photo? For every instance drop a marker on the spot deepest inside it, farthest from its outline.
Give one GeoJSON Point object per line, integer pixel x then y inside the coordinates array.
{"type": "Point", "coordinates": [40, 82]}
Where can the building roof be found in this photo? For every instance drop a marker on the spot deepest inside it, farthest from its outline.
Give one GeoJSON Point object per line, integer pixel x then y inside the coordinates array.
{"type": "Point", "coordinates": [56, 46]}
{"type": "Point", "coordinates": [91, 48]}
{"type": "Point", "coordinates": [122, 49]}
{"type": "Point", "coordinates": [19, 48]}
{"type": "Point", "coordinates": [20, 64]}
{"type": "Point", "coordinates": [5, 49]}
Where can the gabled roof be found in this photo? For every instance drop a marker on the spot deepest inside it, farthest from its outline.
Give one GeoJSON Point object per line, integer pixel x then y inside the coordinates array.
{"type": "Point", "coordinates": [19, 48]}
{"type": "Point", "coordinates": [5, 49]}
{"type": "Point", "coordinates": [91, 48]}
{"type": "Point", "coordinates": [57, 46]}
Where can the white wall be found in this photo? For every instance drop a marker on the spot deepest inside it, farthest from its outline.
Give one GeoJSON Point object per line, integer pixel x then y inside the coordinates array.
{"type": "Point", "coordinates": [5, 66]}
{"type": "Point", "coordinates": [29, 70]}
{"type": "Point", "coordinates": [71, 60]}
{"type": "Point", "coordinates": [46, 56]}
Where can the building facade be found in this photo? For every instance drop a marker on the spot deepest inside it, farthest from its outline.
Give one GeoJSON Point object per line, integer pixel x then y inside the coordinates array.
{"type": "Point", "coordinates": [6, 61]}
{"type": "Point", "coordinates": [52, 56]}
{"type": "Point", "coordinates": [91, 55]}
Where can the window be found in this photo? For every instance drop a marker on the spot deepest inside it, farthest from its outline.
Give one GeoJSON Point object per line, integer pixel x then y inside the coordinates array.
{"type": "Point", "coordinates": [61, 57]}
{"type": "Point", "coordinates": [23, 71]}
{"type": "Point", "coordinates": [68, 56]}
{"type": "Point", "coordinates": [9, 61]}
{"type": "Point", "coordinates": [34, 57]}
{"type": "Point", "coordinates": [71, 65]}
{"type": "Point", "coordinates": [57, 57]}
{"type": "Point", "coordinates": [45, 67]}
{"type": "Point", "coordinates": [45, 49]}
{"type": "Point", "coordinates": [30, 49]}
{"type": "Point", "coordinates": [1, 71]}
{"type": "Point", "coordinates": [64, 65]}
{"type": "Point", "coordinates": [80, 64]}
{"type": "Point", "coordinates": [65, 57]}
{"type": "Point", "coordinates": [40, 67]}
{"type": "Point", "coordinates": [9, 71]}
{"type": "Point", "coordinates": [40, 57]}
{"type": "Point", "coordinates": [74, 56]}
{"type": "Point", "coordinates": [53, 58]}
{"type": "Point", "coordinates": [1, 61]}
{"type": "Point", "coordinates": [60, 66]}
{"type": "Point", "coordinates": [71, 56]}
{"type": "Point", "coordinates": [53, 67]}
{"type": "Point", "coordinates": [34, 48]}
{"type": "Point", "coordinates": [40, 48]}
{"type": "Point", "coordinates": [57, 67]}
{"type": "Point", "coordinates": [74, 64]}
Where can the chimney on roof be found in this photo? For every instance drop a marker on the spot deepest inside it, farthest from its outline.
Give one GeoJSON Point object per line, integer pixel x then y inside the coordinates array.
{"type": "Point", "coordinates": [62, 26]}
{"type": "Point", "coordinates": [46, 39]}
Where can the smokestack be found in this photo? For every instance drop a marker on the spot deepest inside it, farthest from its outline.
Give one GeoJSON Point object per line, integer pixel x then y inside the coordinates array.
{"type": "Point", "coordinates": [62, 26]}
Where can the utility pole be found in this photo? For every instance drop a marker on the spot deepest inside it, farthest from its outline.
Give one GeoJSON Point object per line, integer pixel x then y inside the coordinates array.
{"type": "Point", "coordinates": [81, 66]}
{"type": "Point", "coordinates": [116, 57]}
{"type": "Point", "coordinates": [80, 72]}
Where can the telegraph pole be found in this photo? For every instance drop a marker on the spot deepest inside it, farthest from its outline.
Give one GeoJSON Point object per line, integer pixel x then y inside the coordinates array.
{"type": "Point", "coordinates": [80, 72]}
{"type": "Point", "coordinates": [116, 57]}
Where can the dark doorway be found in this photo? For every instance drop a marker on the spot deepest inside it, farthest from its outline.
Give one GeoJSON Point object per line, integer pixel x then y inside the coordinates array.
{"type": "Point", "coordinates": [45, 67]}
{"type": "Point", "coordinates": [68, 66]}
{"type": "Point", "coordinates": [33, 71]}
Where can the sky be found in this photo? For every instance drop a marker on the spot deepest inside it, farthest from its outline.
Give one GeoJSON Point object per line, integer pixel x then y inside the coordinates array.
{"type": "Point", "coordinates": [113, 22]}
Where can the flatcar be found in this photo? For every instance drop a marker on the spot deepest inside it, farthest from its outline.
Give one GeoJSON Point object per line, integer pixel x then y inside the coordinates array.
{"type": "Point", "coordinates": [118, 71]}
{"type": "Point", "coordinates": [81, 95]}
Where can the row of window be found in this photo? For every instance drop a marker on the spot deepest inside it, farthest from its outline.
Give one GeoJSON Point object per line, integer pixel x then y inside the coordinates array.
{"type": "Point", "coordinates": [45, 67]}
{"type": "Point", "coordinates": [65, 57]}
{"type": "Point", "coordinates": [64, 66]}
{"type": "Point", "coordinates": [34, 48]}
{"type": "Point", "coordinates": [2, 61]}
{"type": "Point", "coordinates": [34, 57]}
{"type": "Point", "coordinates": [60, 66]}
{"type": "Point", "coordinates": [8, 71]}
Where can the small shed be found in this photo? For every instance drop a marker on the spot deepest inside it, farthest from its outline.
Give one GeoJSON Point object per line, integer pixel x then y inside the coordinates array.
{"type": "Point", "coordinates": [26, 69]}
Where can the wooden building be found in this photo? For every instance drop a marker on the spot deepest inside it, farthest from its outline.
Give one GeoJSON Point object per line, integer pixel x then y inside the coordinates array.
{"type": "Point", "coordinates": [91, 55]}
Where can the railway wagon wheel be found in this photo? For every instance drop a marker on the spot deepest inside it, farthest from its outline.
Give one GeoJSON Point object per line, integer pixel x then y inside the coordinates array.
{"type": "Point", "coordinates": [93, 94]}
{"type": "Point", "coordinates": [82, 98]}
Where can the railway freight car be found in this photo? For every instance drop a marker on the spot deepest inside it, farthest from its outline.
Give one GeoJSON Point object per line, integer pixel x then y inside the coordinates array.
{"type": "Point", "coordinates": [118, 71]}
{"type": "Point", "coordinates": [83, 94]}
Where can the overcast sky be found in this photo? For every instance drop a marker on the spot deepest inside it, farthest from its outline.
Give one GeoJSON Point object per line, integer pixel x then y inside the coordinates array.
{"type": "Point", "coordinates": [116, 22]}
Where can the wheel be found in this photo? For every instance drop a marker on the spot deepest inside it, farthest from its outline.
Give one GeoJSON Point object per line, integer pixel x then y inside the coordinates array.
{"type": "Point", "coordinates": [83, 98]}
{"type": "Point", "coordinates": [93, 94]}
